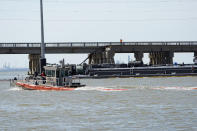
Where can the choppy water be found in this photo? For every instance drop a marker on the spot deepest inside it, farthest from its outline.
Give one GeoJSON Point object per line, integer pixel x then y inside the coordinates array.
{"type": "Point", "coordinates": [149, 104]}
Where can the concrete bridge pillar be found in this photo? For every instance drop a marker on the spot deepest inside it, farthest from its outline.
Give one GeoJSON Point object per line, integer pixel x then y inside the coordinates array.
{"type": "Point", "coordinates": [138, 56]}
{"type": "Point", "coordinates": [161, 58]}
{"type": "Point", "coordinates": [34, 63]}
{"type": "Point", "coordinates": [195, 54]}
{"type": "Point", "coordinates": [106, 57]}
{"type": "Point", "coordinates": [169, 57]}
{"type": "Point", "coordinates": [95, 58]}
{"type": "Point", "coordinates": [195, 57]}
{"type": "Point", "coordinates": [109, 55]}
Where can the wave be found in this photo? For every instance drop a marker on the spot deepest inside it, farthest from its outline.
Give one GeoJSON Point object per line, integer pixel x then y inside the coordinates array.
{"type": "Point", "coordinates": [87, 88]}
{"type": "Point", "coordinates": [15, 89]}
{"type": "Point", "coordinates": [176, 88]}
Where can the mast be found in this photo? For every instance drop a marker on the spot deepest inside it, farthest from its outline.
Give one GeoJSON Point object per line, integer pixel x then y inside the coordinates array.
{"type": "Point", "coordinates": [42, 45]}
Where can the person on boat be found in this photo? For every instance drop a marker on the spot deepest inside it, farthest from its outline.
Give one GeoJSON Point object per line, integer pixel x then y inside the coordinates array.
{"type": "Point", "coordinates": [43, 77]}
{"type": "Point", "coordinates": [36, 83]}
{"type": "Point", "coordinates": [15, 78]}
{"type": "Point", "coordinates": [43, 74]}
{"type": "Point", "coordinates": [35, 75]}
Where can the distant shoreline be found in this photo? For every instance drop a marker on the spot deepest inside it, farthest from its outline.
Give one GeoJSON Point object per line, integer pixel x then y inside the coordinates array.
{"type": "Point", "coordinates": [13, 69]}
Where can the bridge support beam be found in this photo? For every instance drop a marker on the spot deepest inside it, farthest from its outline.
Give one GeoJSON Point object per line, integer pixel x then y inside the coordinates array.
{"type": "Point", "coordinates": [138, 56]}
{"type": "Point", "coordinates": [94, 58]}
{"type": "Point", "coordinates": [161, 58]}
{"type": "Point", "coordinates": [106, 57]}
{"type": "Point", "coordinates": [195, 57]}
{"type": "Point", "coordinates": [34, 63]}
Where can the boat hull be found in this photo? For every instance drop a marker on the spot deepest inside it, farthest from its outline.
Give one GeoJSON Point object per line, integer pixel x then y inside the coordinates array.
{"type": "Point", "coordinates": [43, 87]}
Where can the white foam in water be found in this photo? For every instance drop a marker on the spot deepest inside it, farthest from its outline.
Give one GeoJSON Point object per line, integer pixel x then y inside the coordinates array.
{"type": "Point", "coordinates": [176, 88]}
{"type": "Point", "coordinates": [15, 89]}
{"type": "Point", "coordinates": [98, 89]}
{"type": "Point", "coordinates": [88, 88]}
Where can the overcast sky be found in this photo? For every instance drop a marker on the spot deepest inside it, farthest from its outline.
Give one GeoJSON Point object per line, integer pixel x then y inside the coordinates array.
{"type": "Point", "coordinates": [97, 20]}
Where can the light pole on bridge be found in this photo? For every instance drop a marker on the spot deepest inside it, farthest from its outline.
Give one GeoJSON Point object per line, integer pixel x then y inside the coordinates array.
{"type": "Point", "coordinates": [42, 59]}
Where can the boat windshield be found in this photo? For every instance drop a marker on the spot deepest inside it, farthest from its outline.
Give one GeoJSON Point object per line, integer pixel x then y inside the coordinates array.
{"type": "Point", "coordinates": [50, 73]}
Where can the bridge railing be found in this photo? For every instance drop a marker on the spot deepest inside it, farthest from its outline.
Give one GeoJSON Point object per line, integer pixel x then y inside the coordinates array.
{"type": "Point", "coordinates": [95, 44]}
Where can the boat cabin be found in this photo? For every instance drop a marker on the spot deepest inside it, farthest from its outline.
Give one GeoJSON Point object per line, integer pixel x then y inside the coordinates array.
{"type": "Point", "coordinates": [57, 75]}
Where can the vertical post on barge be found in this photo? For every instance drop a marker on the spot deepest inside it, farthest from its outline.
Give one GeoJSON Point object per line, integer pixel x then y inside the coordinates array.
{"type": "Point", "coordinates": [42, 45]}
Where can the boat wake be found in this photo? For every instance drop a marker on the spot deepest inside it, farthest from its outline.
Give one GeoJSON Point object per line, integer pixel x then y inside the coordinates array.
{"type": "Point", "coordinates": [15, 89]}
{"type": "Point", "coordinates": [86, 88]}
{"type": "Point", "coordinates": [108, 89]}
{"type": "Point", "coordinates": [99, 89]}
{"type": "Point", "coordinates": [176, 88]}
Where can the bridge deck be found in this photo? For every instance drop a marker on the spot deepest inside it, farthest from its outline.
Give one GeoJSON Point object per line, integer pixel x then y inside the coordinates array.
{"type": "Point", "coordinates": [96, 44]}
{"type": "Point", "coordinates": [88, 47]}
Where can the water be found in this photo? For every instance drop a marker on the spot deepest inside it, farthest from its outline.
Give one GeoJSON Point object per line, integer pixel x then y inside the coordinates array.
{"type": "Point", "coordinates": [148, 104]}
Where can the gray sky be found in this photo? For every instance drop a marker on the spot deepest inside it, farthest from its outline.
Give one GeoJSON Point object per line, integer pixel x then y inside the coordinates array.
{"type": "Point", "coordinates": [97, 20]}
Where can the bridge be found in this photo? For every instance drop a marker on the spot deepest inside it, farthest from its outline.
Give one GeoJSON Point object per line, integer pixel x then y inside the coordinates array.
{"type": "Point", "coordinates": [88, 47]}
{"type": "Point", "coordinates": [160, 52]}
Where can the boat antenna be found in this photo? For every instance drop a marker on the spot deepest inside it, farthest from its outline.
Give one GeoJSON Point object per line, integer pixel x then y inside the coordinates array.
{"type": "Point", "coordinates": [42, 45]}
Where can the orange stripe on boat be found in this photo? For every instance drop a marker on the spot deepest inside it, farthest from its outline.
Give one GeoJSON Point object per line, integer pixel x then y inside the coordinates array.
{"type": "Point", "coordinates": [41, 87]}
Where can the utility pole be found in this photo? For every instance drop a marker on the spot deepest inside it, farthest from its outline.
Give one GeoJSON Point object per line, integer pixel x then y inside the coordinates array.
{"type": "Point", "coordinates": [42, 59]}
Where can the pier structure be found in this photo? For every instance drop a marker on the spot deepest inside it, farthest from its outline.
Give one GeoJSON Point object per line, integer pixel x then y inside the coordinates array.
{"type": "Point", "coordinates": [34, 63]}
{"type": "Point", "coordinates": [195, 57]}
{"type": "Point", "coordinates": [160, 53]}
{"type": "Point", "coordinates": [161, 58]}
{"type": "Point", "coordinates": [139, 56]}
{"type": "Point", "coordinates": [106, 56]}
